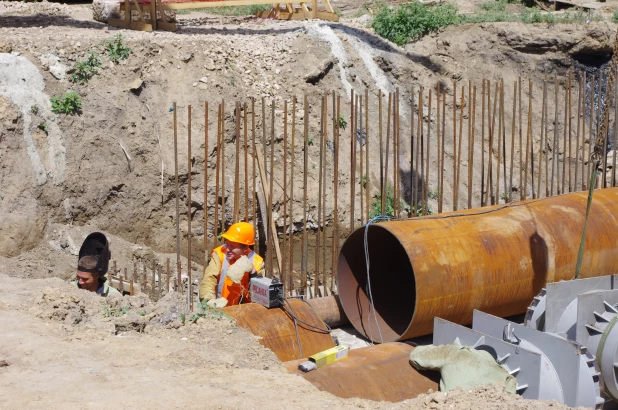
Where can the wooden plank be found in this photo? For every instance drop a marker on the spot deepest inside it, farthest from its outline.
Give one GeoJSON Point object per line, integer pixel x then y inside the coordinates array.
{"type": "Point", "coordinates": [308, 15]}
{"type": "Point", "coordinates": [314, 9]}
{"type": "Point", "coordinates": [153, 14]}
{"type": "Point", "coordinates": [133, 25]}
{"type": "Point", "coordinates": [139, 11]}
{"type": "Point", "coordinates": [224, 3]}
{"type": "Point", "coordinates": [165, 26]}
{"type": "Point", "coordinates": [329, 7]}
{"type": "Point", "coordinates": [127, 11]}
{"type": "Point", "coordinates": [304, 8]}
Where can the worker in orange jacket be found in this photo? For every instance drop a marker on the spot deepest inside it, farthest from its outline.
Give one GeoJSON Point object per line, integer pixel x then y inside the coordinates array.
{"type": "Point", "coordinates": [226, 278]}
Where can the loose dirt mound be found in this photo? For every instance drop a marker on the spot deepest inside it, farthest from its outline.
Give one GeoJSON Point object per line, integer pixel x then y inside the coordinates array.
{"type": "Point", "coordinates": [61, 352]}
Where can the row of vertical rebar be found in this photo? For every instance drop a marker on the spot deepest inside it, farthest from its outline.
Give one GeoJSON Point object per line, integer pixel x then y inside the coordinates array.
{"type": "Point", "coordinates": [154, 279]}
{"type": "Point", "coordinates": [519, 159]}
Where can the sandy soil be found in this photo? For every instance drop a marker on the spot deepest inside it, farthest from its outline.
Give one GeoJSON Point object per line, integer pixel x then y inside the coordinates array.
{"type": "Point", "coordinates": [61, 350]}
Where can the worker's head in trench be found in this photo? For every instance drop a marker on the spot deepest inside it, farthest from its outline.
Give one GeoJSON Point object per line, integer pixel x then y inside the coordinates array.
{"type": "Point", "coordinates": [88, 277]}
{"type": "Point", "coordinates": [93, 261]}
{"type": "Point", "coordinates": [238, 239]}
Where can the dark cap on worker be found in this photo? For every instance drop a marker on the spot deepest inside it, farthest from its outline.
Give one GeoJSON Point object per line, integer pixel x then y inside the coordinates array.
{"type": "Point", "coordinates": [94, 254]}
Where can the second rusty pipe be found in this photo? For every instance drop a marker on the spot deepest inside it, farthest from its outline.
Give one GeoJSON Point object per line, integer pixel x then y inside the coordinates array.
{"type": "Point", "coordinates": [495, 260]}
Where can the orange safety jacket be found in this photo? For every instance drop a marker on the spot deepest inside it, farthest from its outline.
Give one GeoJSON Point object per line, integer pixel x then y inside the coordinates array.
{"type": "Point", "coordinates": [235, 293]}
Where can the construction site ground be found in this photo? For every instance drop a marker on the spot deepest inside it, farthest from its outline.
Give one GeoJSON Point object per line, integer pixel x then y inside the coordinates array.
{"type": "Point", "coordinates": [64, 348]}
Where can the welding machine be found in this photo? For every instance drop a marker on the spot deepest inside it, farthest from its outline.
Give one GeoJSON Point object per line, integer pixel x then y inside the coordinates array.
{"type": "Point", "coordinates": [266, 291]}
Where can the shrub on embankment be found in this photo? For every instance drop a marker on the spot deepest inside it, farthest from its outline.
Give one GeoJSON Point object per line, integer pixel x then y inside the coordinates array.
{"type": "Point", "coordinates": [411, 21]}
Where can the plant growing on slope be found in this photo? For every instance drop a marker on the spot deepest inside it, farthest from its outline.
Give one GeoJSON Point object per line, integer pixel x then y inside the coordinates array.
{"type": "Point", "coordinates": [43, 127]}
{"type": "Point", "coordinates": [341, 122]}
{"type": "Point", "coordinates": [116, 49]}
{"type": "Point", "coordinates": [68, 103]}
{"type": "Point", "coordinates": [411, 21]}
{"type": "Point", "coordinates": [85, 70]}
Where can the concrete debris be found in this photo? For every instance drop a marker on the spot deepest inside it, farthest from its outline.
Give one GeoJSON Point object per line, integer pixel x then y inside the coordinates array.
{"type": "Point", "coordinates": [320, 71]}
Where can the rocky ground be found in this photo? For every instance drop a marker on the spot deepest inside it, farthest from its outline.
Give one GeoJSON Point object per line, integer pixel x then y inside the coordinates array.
{"type": "Point", "coordinates": [63, 348]}
{"type": "Point", "coordinates": [110, 168]}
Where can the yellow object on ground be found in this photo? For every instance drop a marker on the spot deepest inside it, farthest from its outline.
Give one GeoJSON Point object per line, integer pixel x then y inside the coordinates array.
{"type": "Point", "coordinates": [329, 356]}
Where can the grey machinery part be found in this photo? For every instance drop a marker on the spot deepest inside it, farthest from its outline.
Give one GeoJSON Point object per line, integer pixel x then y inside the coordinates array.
{"type": "Point", "coordinates": [546, 367]}
{"type": "Point", "coordinates": [585, 311]}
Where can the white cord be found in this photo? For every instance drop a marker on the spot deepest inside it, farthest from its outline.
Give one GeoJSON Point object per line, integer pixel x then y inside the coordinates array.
{"type": "Point", "coordinates": [368, 289]}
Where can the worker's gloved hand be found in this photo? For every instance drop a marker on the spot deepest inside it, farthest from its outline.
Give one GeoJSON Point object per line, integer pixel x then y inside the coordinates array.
{"type": "Point", "coordinates": [238, 270]}
{"type": "Point", "coordinates": [217, 303]}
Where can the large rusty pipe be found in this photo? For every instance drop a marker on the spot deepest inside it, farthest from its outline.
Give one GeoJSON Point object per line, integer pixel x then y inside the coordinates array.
{"type": "Point", "coordinates": [277, 330]}
{"type": "Point", "coordinates": [493, 259]}
{"type": "Point", "coordinates": [380, 373]}
{"type": "Point", "coordinates": [329, 309]}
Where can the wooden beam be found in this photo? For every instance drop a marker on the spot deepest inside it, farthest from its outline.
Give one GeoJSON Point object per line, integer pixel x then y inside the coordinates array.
{"type": "Point", "coordinates": [165, 26]}
{"type": "Point", "coordinates": [153, 14]}
{"type": "Point", "coordinates": [329, 7]}
{"type": "Point", "coordinates": [272, 227]}
{"type": "Point", "coordinates": [224, 3]}
{"type": "Point", "coordinates": [133, 25]}
{"type": "Point", "coordinates": [308, 15]}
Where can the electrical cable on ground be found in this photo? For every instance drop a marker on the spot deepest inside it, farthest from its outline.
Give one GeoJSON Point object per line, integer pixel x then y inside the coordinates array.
{"type": "Point", "coordinates": [368, 287]}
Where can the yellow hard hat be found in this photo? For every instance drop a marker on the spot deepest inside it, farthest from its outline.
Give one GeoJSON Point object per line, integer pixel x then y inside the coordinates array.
{"type": "Point", "coordinates": [240, 232]}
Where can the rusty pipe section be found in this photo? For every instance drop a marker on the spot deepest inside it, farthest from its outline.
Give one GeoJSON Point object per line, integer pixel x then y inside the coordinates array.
{"type": "Point", "coordinates": [329, 309]}
{"type": "Point", "coordinates": [277, 330]}
{"type": "Point", "coordinates": [381, 373]}
{"type": "Point", "coordinates": [492, 259]}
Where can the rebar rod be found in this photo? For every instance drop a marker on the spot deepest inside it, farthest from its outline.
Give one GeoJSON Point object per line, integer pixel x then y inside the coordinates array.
{"type": "Point", "coordinates": [189, 289]}
{"type": "Point", "coordinates": [554, 158]}
{"type": "Point", "coordinates": [441, 193]}
{"type": "Point", "coordinates": [510, 190]}
{"type": "Point", "coordinates": [305, 159]}
{"type": "Point", "coordinates": [426, 188]}
{"type": "Point", "coordinates": [468, 143]}
{"type": "Point", "coordinates": [223, 194]}
{"type": "Point", "coordinates": [246, 147]}
{"type": "Point", "coordinates": [361, 164]}
{"type": "Point", "coordinates": [292, 166]}
{"type": "Point", "coordinates": [215, 234]}
{"type": "Point", "coordinates": [285, 191]}
{"type": "Point", "coordinates": [253, 176]}
{"type": "Point", "coordinates": [205, 229]}
{"type": "Point", "coordinates": [521, 165]}
{"type": "Point", "coordinates": [614, 147]}
{"type": "Point", "coordinates": [316, 263]}
{"type": "Point", "coordinates": [483, 203]}
{"type": "Point", "coordinates": [388, 131]}
{"type": "Point", "coordinates": [579, 113]}
{"type": "Point", "coordinates": [381, 153]}
{"type": "Point", "coordinates": [336, 197]}
{"type": "Point", "coordinates": [352, 164]}
{"type": "Point", "coordinates": [367, 181]}
{"type": "Point", "coordinates": [236, 213]}
{"type": "Point", "coordinates": [541, 145]}
{"type": "Point", "coordinates": [454, 145]}
{"type": "Point", "coordinates": [176, 185]}
{"type": "Point", "coordinates": [273, 234]}
{"type": "Point", "coordinates": [458, 159]}
{"type": "Point", "coordinates": [528, 153]}
{"type": "Point", "coordinates": [584, 97]}
{"type": "Point", "coordinates": [438, 145]}
{"type": "Point", "coordinates": [471, 149]}
{"type": "Point", "coordinates": [605, 132]}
